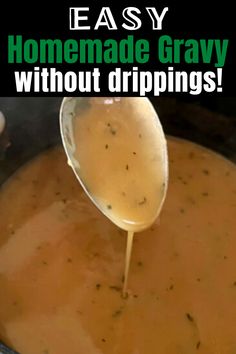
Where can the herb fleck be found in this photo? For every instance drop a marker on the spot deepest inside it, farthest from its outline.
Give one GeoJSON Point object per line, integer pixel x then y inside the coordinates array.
{"type": "Point", "coordinates": [109, 206]}
{"type": "Point", "coordinates": [143, 201]}
{"type": "Point", "coordinates": [98, 286]}
{"type": "Point", "coordinates": [205, 194]}
{"type": "Point", "coordinates": [171, 287]}
{"type": "Point", "coordinates": [45, 263]}
{"type": "Point", "coordinates": [113, 131]}
{"type": "Point", "coordinates": [191, 155]}
{"type": "Point", "coordinates": [106, 146]}
{"type": "Point", "coordinates": [134, 153]}
{"type": "Point", "coordinates": [182, 180]}
{"type": "Point", "coordinates": [182, 211]}
{"type": "Point", "coordinates": [191, 200]}
{"type": "Point", "coordinates": [198, 345]}
{"type": "Point", "coordinates": [96, 254]}
{"type": "Point", "coordinates": [199, 279]}
{"type": "Point", "coordinates": [140, 263]}
{"type": "Point", "coordinates": [103, 340]}
{"type": "Point", "coordinates": [189, 317]}
{"type": "Point", "coordinates": [69, 260]}
{"type": "Point", "coordinates": [135, 296]}
{"type": "Point", "coordinates": [234, 283]}
{"type": "Point", "coordinates": [140, 136]}
{"type": "Point", "coordinates": [115, 288]}
{"type": "Point", "coordinates": [127, 167]}
{"type": "Point", "coordinates": [206, 172]}
{"type": "Point", "coordinates": [118, 312]}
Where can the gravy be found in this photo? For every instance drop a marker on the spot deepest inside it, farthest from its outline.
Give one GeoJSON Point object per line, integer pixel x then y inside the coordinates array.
{"type": "Point", "coordinates": [61, 263]}
{"type": "Point", "coordinates": [120, 151]}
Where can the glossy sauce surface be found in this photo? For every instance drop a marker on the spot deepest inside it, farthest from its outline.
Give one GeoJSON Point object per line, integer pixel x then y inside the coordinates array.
{"type": "Point", "coordinates": [61, 264]}
{"type": "Point", "coordinates": [121, 151]}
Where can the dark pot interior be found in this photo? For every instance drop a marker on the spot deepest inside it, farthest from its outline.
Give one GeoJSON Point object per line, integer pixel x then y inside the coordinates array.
{"type": "Point", "coordinates": [32, 126]}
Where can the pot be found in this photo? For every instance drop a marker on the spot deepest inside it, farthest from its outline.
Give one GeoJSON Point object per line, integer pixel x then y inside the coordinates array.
{"type": "Point", "coordinates": [32, 125]}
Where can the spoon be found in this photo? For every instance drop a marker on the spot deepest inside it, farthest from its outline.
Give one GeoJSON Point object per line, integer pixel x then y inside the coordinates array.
{"type": "Point", "coordinates": [98, 124]}
{"type": "Point", "coordinates": [2, 122]}
{"type": "Point", "coordinates": [6, 350]}
{"type": "Point", "coordinates": [117, 150]}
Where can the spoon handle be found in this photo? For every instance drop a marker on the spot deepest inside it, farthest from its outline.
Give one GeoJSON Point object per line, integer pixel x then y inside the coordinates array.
{"type": "Point", "coordinates": [6, 350]}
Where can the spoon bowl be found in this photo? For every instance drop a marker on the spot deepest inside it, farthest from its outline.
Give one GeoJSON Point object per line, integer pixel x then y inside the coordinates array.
{"type": "Point", "coordinates": [115, 146]}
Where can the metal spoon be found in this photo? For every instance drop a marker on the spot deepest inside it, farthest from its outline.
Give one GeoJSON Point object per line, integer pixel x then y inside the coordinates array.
{"type": "Point", "coordinates": [73, 108]}
{"type": "Point", "coordinates": [6, 350]}
{"type": "Point", "coordinates": [130, 126]}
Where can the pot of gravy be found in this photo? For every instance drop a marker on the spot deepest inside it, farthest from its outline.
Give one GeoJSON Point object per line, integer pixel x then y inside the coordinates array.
{"type": "Point", "coordinates": [62, 260]}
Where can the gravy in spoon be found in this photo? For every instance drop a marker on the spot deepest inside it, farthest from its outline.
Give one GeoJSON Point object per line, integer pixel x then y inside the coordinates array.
{"type": "Point", "coordinates": [122, 161]}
